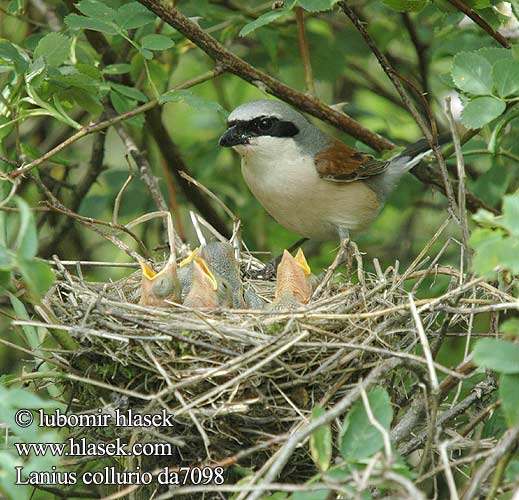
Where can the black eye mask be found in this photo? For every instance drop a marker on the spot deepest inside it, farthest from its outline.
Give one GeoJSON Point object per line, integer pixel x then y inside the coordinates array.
{"type": "Point", "coordinates": [241, 131]}
{"type": "Point", "coordinates": [265, 125]}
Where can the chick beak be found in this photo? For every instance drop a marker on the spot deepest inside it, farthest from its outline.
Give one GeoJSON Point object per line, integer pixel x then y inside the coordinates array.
{"type": "Point", "coordinates": [189, 258]}
{"type": "Point", "coordinates": [301, 260]}
{"type": "Point", "coordinates": [203, 291]}
{"type": "Point", "coordinates": [147, 296]}
{"type": "Point", "coordinates": [161, 286]}
{"type": "Point", "coordinates": [293, 278]}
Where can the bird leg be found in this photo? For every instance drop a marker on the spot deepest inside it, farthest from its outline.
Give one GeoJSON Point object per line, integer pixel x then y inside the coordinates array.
{"type": "Point", "coordinates": [269, 271]}
{"type": "Point", "coordinates": [342, 255]}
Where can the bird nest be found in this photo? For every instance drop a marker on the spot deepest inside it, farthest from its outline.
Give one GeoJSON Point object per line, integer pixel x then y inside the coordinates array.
{"type": "Point", "coordinates": [238, 383]}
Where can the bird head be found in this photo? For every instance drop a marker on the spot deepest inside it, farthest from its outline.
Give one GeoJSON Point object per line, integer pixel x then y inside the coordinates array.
{"type": "Point", "coordinates": [266, 127]}
{"type": "Point", "coordinates": [293, 278]}
{"type": "Point", "coordinates": [159, 286]}
{"type": "Point", "coordinates": [221, 260]}
{"type": "Point", "coordinates": [203, 291]}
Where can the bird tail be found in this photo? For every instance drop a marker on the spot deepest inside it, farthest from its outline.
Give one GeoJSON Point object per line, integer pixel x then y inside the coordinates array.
{"type": "Point", "coordinates": [403, 162]}
{"type": "Point", "coordinates": [414, 153]}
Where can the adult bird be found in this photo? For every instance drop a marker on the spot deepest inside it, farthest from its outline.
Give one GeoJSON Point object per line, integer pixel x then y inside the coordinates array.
{"type": "Point", "coordinates": [308, 181]}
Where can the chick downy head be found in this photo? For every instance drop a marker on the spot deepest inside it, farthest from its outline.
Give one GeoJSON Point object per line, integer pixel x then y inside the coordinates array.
{"type": "Point", "coordinates": [293, 278]}
{"type": "Point", "coordinates": [203, 292]}
{"type": "Point", "coordinates": [157, 287]}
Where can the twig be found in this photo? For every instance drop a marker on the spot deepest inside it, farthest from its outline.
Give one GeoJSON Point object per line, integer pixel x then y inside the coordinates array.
{"type": "Point", "coordinates": [420, 49]}
{"type": "Point", "coordinates": [429, 131]}
{"type": "Point", "coordinates": [233, 64]}
{"type": "Point", "coordinates": [338, 409]}
{"type": "Point", "coordinates": [55, 204]}
{"type": "Point", "coordinates": [118, 198]}
{"type": "Point", "coordinates": [210, 194]}
{"type": "Point", "coordinates": [504, 446]}
{"type": "Point", "coordinates": [104, 124]}
{"type": "Point", "coordinates": [375, 423]}
{"type": "Point", "coordinates": [460, 164]}
{"type": "Point", "coordinates": [174, 164]}
{"type": "Point", "coordinates": [303, 49]}
{"type": "Point", "coordinates": [481, 22]}
{"type": "Point", "coordinates": [448, 471]}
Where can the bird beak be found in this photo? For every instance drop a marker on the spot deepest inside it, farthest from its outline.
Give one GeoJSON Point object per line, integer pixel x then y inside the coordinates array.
{"type": "Point", "coordinates": [156, 287]}
{"type": "Point", "coordinates": [294, 278]}
{"type": "Point", "coordinates": [202, 292]}
{"type": "Point", "coordinates": [207, 273]}
{"type": "Point", "coordinates": [189, 258]}
{"type": "Point", "coordinates": [233, 137]}
{"type": "Point", "coordinates": [301, 260]}
{"type": "Point", "coordinates": [147, 271]}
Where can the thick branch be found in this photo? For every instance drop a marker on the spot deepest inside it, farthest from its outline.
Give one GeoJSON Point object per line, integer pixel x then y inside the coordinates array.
{"type": "Point", "coordinates": [239, 67]}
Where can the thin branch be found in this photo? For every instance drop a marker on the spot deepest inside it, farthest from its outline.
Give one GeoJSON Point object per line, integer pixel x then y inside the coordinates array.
{"type": "Point", "coordinates": [104, 124]}
{"type": "Point", "coordinates": [481, 22]}
{"type": "Point", "coordinates": [505, 445]}
{"type": "Point", "coordinates": [420, 49]}
{"type": "Point", "coordinates": [233, 64]}
{"type": "Point", "coordinates": [303, 49]}
{"type": "Point", "coordinates": [429, 130]}
{"type": "Point", "coordinates": [340, 407]}
{"type": "Point", "coordinates": [460, 165]}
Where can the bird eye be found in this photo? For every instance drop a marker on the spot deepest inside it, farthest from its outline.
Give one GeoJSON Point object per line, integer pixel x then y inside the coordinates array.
{"type": "Point", "coordinates": [265, 124]}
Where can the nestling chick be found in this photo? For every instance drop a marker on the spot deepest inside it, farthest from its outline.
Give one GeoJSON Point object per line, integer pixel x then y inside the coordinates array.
{"type": "Point", "coordinates": [222, 262]}
{"type": "Point", "coordinates": [156, 288]}
{"type": "Point", "coordinates": [204, 290]}
{"type": "Point", "coordinates": [293, 286]}
{"type": "Point", "coordinates": [219, 258]}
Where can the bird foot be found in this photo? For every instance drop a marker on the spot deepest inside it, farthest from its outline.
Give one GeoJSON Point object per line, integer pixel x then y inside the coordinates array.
{"type": "Point", "coordinates": [342, 255]}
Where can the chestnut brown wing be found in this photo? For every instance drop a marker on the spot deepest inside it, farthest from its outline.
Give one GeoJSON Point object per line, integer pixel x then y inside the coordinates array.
{"type": "Point", "coordinates": [341, 163]}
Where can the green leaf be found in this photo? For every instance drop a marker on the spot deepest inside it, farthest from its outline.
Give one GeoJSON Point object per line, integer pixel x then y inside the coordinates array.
{"type": "Point", "coordinates": [8, 485]}
{"type": "Point", "coordinates": [15, 55]}
{"type": "Point", "coordinates": [321, 442]}
{"type": "Point", "coordinates": [499, 355]}
{"type": "Point", "coordinates": [472, 73]}
{"type": "Point", "coordinates": [196, 102]}
{"type": "Point", "coordinates": [359, 439]}
{"type": "Point", "coordinates": [494, 250]}
{"type": "Point", "coordinates": [7, 258]}
{"type": "Point", "coordinates": [263, 20]}
{"type": "Point", "coordinates": [510, 219]}
{"type": "Point", "coordinates": [117, 69]}
{"type": "Point", "coordinates": [406, 5]}
{"type": "Point", "coordinates": [506, 77]}
{"type": "Point", "coordinates": [37, 275]}
{"type": "Point", "coordinates": [157, 42]}
{"type": "Point", "coordinates": [493, 54]}
{"type": "Point", "coordinates": [27, 240]}
{"type": "Point", "coordinates": [95, 9]}
{"type": "Point", "coordinates": [122, 105]}
{"type": "Point", "coordinates": [316, 5]}
{"type": "Point", "coordinates": [510, 327]}
{"type": "Point", "coordinates": [130, 92]}
{"type": "Point", "coordinates": [74, 21]}
{"type": "Point", "coordinates": [481, 110]}
{"type": "Point", "coordinates": [509, 395]}
{"type": "Point", "coordinates": [134, 15]}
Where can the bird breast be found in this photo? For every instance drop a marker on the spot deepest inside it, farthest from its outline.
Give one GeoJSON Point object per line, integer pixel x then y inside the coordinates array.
{"type": "Point", "coordinates": [294, 194]}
